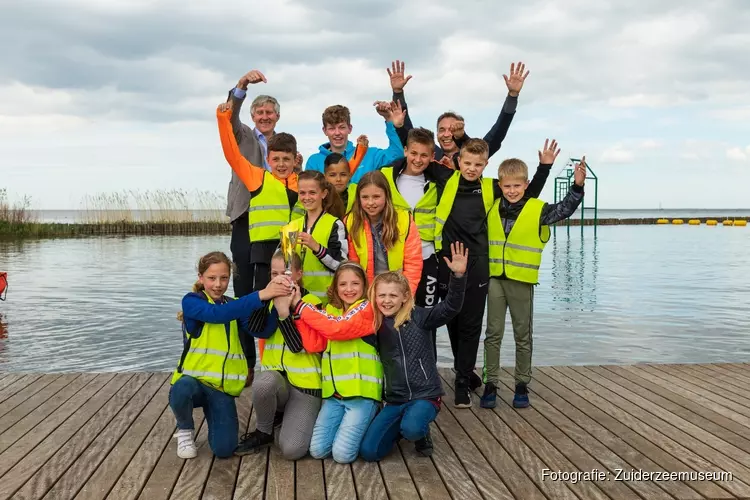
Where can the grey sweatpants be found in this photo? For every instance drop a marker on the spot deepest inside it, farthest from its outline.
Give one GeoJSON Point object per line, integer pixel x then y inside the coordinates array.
{"type": "Point", "coordinates": [272, 392]}
{"type": "Point", "coordinates": [519, 298]}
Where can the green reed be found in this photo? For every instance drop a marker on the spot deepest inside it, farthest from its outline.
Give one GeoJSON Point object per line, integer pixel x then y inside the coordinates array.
{"type": "Point", "coordinates": [160, 212]}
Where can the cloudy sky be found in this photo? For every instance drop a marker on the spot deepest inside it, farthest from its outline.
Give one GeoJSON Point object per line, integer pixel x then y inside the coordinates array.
{"type": "Point", "coordinates": [110, 95]}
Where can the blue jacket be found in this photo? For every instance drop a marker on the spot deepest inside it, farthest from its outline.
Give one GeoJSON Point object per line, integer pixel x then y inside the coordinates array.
{"type": "Point", "coordinates": [373, 160]}
{"type": "Point", "coordinates": [196, 311]}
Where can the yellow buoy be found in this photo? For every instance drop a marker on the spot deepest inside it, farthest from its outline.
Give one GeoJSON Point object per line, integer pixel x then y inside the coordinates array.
{"type": "Point", "coordinates": [662, 221]}
{"type": "Point", "coordinates": [678, 221]}
{"type": "Point", "coordinates": [694, 222]}
{"type": "Point", "coordinates": [727, 222]}
{"type": "Point", "coordinates": [711, 222]}
{"type": "Point", "coordinates": [740, 222]}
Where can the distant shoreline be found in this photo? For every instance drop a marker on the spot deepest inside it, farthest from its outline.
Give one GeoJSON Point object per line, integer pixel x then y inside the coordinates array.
{"type": "Point", "coordinates": [129, 228]}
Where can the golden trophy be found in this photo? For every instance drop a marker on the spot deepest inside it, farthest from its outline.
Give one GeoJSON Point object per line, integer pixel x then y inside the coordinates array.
{"type": "Point", "coordinates": [288, 243]}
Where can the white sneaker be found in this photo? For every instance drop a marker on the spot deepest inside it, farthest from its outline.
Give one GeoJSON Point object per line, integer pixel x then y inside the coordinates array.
{"type": "Point", "coordinates": [185, 444]}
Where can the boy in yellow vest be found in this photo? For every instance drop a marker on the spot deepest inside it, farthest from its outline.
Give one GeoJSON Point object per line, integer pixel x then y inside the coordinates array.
{"type": "Point", "coordinates": [274, 194]}
{"type": "Point", "coordinates": [464, 199]}
{"type": "Point", "coordinates": [518, 230]}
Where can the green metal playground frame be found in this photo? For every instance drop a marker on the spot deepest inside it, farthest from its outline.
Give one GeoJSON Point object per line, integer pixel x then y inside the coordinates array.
{"type": "Point", "coordinates": [562, 184]}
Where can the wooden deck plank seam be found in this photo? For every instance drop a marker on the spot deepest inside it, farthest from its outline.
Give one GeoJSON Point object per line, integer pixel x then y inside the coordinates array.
{"type": "Point", "coordinates": [676, 448]}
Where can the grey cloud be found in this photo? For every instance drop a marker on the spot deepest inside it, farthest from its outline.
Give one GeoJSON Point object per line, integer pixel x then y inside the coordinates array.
{"type": "Point", "coordinates": [87, 49]}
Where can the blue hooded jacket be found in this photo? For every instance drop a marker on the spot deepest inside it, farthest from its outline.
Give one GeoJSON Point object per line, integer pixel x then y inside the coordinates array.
{"type": "Point", "coordinates": [373, 160]}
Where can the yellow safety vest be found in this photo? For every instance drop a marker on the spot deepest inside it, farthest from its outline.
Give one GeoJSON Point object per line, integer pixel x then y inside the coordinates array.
{"type": "Point", "coordinates": [351, 368]}
{"type": "Point", "coordinates": [351, 191]}
{"type": "Point", "coordinates": [215, 358]}
{"type": "Point", "coordinates": [449, 196]}
{"type": "Point", "coordinates": [424, 211]}
{"type": "Point", "coordinates": [269, 210]}
{"type": "Point", "coordinates": [395, 254]}
{"type": "Point", "coordinates": [520, 256]}
{"type": "Point", "coordinates": [302, 368]}
{"type": "Point", "coordinates": [317, 277]}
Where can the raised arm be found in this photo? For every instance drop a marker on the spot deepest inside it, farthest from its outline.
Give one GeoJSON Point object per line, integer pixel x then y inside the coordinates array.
{"type": "Point", "coordinates": [251, 175]}
{"type": "Point", "coordinates": [396, 74]}
{"type": "Point", "coordinates": [237, 97]}
{"type": "Point", "coordinates": [447, 309]}
{"type": "Point", "coordinates": [568, 205]}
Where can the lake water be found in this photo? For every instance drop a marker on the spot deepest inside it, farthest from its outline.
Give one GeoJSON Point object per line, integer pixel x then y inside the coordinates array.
{"type": "Point", "coordinates": [629, 294]}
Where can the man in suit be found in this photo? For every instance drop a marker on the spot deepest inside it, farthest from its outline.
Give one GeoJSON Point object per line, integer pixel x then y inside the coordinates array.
{"type": "Point", "coordinates": [253, 142]}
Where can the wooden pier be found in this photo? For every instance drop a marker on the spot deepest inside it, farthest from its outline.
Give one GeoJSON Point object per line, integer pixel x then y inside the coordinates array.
{"type": "Point", "coordinates": [109, 435]}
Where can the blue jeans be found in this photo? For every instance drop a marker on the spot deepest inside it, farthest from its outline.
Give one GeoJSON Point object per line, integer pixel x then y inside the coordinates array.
{"type": "Point", "coordinates": [219, 409]}
{"type": "Point", "coordinates": [411, 420]}
{"type": "Point", "coordinates": [340, 427]}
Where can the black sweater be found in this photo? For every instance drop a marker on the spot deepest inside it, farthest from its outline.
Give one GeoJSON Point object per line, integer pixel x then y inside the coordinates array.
{"type": "Point", "coordinates": [409, 364]}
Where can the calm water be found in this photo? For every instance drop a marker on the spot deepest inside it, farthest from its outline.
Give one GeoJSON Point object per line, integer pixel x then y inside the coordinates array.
{"type": "Point", "coordinates": [630, 294]}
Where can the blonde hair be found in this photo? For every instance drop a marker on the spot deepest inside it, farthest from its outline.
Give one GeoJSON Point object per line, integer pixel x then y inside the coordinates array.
{"type": "Point", "coordinates": [403, 314]}
{"type": "Point", "coordinates": [296, 262]}
{"type": "Point", "coordinates": [333, 290]}
{"type": "Point", "coordinates": [513, 168]}
{"type": "Point", "coordinates": [389, 216]}
{"type": "Point", "coordinates": [476, 147]}
{"type": "Point", "coordinates": [203, 264]}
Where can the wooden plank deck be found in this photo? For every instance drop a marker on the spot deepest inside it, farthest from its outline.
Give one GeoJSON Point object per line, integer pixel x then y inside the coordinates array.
{"type": "Point", "coordinates": [91, 436]}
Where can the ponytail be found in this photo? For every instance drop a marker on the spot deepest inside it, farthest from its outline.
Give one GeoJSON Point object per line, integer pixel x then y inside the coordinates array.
{"type": "Point", "coordinates": [203, 264]}
{"type": "Point", "coordinates": [332, 203]}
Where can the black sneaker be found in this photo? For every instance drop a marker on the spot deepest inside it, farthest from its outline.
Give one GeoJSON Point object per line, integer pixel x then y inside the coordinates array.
{"type": "Point", "coordinates": [424, 445]}
{"type": "Point", "coordinates": [521, 398]}
{"type": "Point", "coordinates": [253, 442]}
{"type": "Point", "coordinates": [475, 381]}
{"type": "Point", "coordinates": [278, 419]}
{"type": "Point", "coordinates": [489, 398]}
{"type": "Point", "coordinates": [463, 397]}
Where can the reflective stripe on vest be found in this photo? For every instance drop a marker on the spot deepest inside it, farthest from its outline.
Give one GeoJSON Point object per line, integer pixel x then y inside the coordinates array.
{"type": "Point", "coordinates": [423, 211]}
{"type": "Point", "coordinates": [351, 191]}
{"type": "Point", "coordinates": [215, 358]}
{"type": "Point", "coordinates": [302, 368]}
{"type": "Point", "coordinates": [269, 210]}
{"type": "Point", "coordinates": [351, 368]}
{"type": "Point", "coordinates": [520, 256]}
{"type": "Point", "coordinates": [449, 196]}
{"type": "Point", "coordinates": [395, 255]}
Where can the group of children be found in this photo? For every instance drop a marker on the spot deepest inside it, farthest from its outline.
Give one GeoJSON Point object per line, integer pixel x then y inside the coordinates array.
{"type": "Point", "coordinates": [347, 343]}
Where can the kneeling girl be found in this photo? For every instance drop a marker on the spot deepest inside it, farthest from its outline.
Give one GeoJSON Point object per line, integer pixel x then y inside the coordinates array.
{"type": "Point", "coordinates": [352, 373]}
{"type": "Point", "coordinates": [212, 370]}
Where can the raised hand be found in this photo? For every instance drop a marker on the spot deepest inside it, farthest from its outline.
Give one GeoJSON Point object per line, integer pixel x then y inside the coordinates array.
{"type": "Point", "coordinates": [307, 240]}
{"type": "Point", "coordinates": [457, 129]}
{"type": "Point", "coordinates": [383, 108]}
{"type": "Point", "coordinates": [298, 163]}
{"type": "Point", "coordinates": [514, 82]}
{"type": "Point", "coordinates": [224, 106]}
{"type": "Point", "coordinates": [549, 154]}
{"type": "Point", "coordinates": [251, 77]}
{"type": "Point", "coordinates": [398, 114]}
{"type": "Point", "coordinates": [459, 259]}
{"type": "Point", "coordinates": [447, 162]}
{"type": "Point", "coordinates": [396, 74]}
{"type": "Point", "coordinates": [579, 174]}
{"type": "Point", "coordinates": [363, 141]}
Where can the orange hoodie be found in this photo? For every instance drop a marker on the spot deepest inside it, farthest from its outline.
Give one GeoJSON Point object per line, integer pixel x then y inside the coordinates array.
{"type": "Point", "coordinates": [251, 175]}
{"type": "Point", "coordinates": [412, 268]}
{"type": "Point", "coordinates": [317, 327]}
